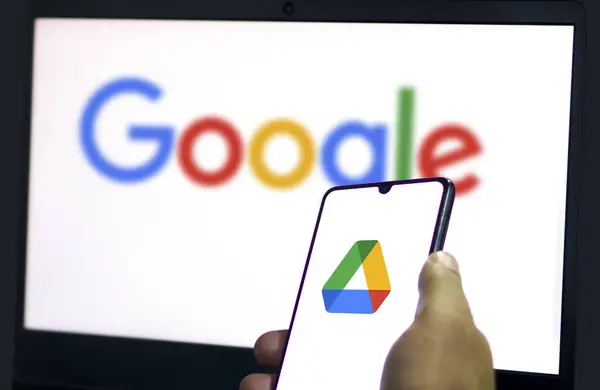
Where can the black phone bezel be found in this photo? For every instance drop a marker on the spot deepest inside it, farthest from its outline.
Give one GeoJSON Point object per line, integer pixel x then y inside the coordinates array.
{"type": "Point", "coordinates": [89, 361]}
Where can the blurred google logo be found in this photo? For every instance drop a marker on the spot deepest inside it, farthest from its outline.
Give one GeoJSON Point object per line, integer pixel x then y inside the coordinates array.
{"type": "Point", "coordinates": [431, 157]}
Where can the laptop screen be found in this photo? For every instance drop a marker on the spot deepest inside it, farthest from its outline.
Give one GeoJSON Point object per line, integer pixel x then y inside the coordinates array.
{"type": "Point", "coordinates": [177, 168]}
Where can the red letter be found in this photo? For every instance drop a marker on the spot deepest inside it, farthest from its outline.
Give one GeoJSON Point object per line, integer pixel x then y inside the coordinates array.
{"type": "Point", "coordinates": [186, 148]}
{"type": "Point", "coordinates": [431, 161]}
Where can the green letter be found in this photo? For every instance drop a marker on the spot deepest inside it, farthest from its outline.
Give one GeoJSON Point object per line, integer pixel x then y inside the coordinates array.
{"type": "Point", "coordinates": [404, 133]}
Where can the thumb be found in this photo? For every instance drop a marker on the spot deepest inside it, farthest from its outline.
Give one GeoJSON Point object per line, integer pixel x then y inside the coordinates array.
{"type": "Point", "coordinates": [442, 349]}
{"type": "Point", "coordinates": [441, 293]}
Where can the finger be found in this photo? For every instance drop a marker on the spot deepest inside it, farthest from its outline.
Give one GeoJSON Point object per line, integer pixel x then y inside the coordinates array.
{"type": "Point", "coordinates": [257, 382]}
{"type": "Point", "coordinates": [269, 348]}
{"type": "Point", "coordinates": [441, 292]}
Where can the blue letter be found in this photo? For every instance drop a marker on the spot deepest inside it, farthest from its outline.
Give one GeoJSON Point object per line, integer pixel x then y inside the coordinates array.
{"type": "Point", "coordinates": [161, 135]}
{"type": "Point", "coordinates": [375, 136]}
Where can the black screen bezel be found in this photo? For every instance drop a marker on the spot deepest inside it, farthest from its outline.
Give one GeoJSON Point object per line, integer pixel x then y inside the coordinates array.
{"type": "Point", "coordinates": [113, 362]}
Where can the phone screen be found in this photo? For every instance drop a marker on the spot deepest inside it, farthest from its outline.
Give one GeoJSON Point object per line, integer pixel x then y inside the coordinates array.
{"type": "Point", "coordinates": [359, 292]}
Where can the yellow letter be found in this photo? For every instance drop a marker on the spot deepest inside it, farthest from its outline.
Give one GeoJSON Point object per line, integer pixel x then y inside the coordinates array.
{"type": "Point", "coordinates": [305, 146]}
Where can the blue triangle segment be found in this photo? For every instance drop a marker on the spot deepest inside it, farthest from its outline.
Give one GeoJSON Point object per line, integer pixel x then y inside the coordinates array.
{"type": "Point", "coordinates": [348, 301]}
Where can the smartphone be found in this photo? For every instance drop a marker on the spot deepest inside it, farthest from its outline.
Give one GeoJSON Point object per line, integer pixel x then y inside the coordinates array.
{"type": "Point", "coordinates": [359, 288]}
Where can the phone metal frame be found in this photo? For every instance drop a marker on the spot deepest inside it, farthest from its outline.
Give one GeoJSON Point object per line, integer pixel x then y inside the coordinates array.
{"type": "Point", "coordinates": [437, 240]}
{"type": "Point", "coordinates": [92, 361]}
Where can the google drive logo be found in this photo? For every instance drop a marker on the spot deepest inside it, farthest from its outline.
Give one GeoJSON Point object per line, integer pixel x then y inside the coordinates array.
{"type": "Point", "coordinates": [338, 299]}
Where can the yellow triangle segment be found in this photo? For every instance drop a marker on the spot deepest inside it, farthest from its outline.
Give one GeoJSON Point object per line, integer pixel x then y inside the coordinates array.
{"type": "Point", "coordinates": [375, 270]}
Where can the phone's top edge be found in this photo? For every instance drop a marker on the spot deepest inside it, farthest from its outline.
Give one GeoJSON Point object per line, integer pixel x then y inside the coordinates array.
{"type": "Point", "coordinates": [443, 180]}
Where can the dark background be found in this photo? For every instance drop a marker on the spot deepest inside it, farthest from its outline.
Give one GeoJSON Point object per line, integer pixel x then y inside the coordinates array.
{"type": "Point", "coordinates": [13, 45]}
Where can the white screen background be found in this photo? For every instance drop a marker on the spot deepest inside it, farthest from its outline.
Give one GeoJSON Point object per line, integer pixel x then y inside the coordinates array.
{"type": "Point", "coordinates": [347, 351]}
{"type": "Point", "coordinates": [167, 259]}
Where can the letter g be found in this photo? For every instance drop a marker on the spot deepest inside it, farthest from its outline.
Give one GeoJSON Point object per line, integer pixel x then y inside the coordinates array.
{"type": "Point", "coordinates": [161, 135]}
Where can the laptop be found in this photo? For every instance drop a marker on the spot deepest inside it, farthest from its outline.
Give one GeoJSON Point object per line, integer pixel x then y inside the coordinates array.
{"type": "Point", "coordinates": [175, 164]}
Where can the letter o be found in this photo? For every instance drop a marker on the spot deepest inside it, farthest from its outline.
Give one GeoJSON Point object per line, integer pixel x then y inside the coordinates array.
{"type": "Point", "coordinates": [186, 151]}
{"type": "Point", "coordinates": [305, 145]}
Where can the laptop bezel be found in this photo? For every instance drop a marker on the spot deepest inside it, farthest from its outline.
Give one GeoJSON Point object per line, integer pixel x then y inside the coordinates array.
{"type": "Point", "coordinates": [86, 361]}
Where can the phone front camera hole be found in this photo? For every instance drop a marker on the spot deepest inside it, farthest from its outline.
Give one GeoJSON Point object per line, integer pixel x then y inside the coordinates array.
{"type": "Point", "coordinates": [384, 188]}
{"type": "Point", "coordinates": [289, 8]}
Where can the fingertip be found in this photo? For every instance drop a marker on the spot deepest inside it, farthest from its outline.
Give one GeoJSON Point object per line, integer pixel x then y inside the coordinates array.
{"type": "Point", "coordinates": [446, 260]}
{"type": "Point", "coordinates": [440, 266]}
{"type": "Point", "coordinates": [257, 382]}
{"type": "Point", "coordinates": [440, 288]}
{"type": "Point", "coordinates": [269, 347]}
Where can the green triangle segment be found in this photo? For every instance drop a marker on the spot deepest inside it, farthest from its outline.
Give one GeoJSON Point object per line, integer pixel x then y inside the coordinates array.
{"type": "Point", "coordinates": [365, 247]}
{"type": "Point", "coordinates": [349, 265]}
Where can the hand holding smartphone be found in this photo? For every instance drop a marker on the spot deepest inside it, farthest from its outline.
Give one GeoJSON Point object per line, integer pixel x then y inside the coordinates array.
{"type": "Point", "coordinates": [359, 289]}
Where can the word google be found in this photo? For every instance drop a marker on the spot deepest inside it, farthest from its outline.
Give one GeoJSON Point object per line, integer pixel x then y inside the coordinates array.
{"type": "Point", "coordinates": [338, 299]}
{"type": "Point", "coordinates": [431, 160]}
